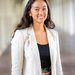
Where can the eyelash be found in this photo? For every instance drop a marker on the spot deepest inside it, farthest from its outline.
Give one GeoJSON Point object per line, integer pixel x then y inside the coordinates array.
{"type": "Point", "coordinates": [37, 9]}
{"type": "Point", "coordinates": [42, 9]}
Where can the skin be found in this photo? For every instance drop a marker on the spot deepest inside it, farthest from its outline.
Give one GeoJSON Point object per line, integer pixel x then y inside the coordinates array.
{"type": "Point", "coordinates": [39, 13]}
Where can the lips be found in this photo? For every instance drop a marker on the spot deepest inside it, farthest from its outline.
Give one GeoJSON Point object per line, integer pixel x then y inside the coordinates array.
{"type": "Point", "coordinates": [41, 17]}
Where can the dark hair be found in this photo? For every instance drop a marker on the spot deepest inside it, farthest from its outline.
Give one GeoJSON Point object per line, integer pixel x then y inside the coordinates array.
{"type": "Point", "coordinates": [27, 20]}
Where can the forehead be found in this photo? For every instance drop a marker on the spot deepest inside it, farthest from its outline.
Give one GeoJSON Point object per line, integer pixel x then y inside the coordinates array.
{"type": "Point", "coordinates": [39, 3]}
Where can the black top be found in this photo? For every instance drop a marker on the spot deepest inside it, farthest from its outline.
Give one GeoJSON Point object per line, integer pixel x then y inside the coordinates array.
{"type": "Point", "coordinates": [44, 55]}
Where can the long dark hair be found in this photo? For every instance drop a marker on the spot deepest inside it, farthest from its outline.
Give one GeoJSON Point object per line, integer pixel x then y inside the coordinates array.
{"type": "Point", "coordinates": [27, 20]}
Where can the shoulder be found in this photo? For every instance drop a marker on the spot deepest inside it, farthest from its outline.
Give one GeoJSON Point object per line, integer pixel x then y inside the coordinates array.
{"type": "Point", "coordinates": [53, 32]}
{"type": "Point", "coordinates": [22, 32]}
{"type": "Point", "coordinates": [19, 35]}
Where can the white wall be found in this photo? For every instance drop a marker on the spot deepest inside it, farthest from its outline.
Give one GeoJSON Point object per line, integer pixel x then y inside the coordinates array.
{"type": "Point", "coordinates": [62, 14]}
{"type": "Point", "coordinates": [56, 12]}
{"type": "Point", "coordinates": [6, 21]}
{"type": "Point", "coordinates": [10, 14]}
{"type": "Point", "coordinates": [74, 15]}
{"type": "Point", "coordinates": [68, 16]}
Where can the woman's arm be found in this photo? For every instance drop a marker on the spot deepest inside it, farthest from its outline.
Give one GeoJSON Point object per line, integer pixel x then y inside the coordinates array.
{"type": "Point", "coordinates": [17, 53]}
{"type": "Point", "coordinates": [58, 61]}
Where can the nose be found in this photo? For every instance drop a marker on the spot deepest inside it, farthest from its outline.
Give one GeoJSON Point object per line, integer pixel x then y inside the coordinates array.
{"type": "Point", "coordinates": [40, 12]}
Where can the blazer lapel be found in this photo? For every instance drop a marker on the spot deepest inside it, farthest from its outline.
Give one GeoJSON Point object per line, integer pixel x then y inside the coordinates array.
{"type": "Point", "coordinates": [34, 48]}
{"type": "Point", "coordinates": [52, 45]}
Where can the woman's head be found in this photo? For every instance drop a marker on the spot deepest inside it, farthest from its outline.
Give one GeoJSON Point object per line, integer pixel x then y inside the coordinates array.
{"type": "Point", "coordinates": [36, 10]}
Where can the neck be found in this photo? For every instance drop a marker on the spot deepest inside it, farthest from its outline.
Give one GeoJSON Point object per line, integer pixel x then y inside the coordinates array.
{"type": "Point", "coordinates": [38, 27]}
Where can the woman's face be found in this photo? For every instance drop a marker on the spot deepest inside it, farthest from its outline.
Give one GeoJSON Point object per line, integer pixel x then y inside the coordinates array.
{"type": "Point", "coordinates": [39, 11]}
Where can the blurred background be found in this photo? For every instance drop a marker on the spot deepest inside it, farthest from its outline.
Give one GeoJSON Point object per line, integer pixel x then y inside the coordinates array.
{"type": "Point", "coordinates": [63, 15]}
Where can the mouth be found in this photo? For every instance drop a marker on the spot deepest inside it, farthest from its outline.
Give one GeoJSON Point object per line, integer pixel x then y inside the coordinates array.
{"type": "Point", "coordinates": [41, 17]}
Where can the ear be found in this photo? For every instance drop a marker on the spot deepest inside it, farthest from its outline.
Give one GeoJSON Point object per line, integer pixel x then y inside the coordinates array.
{"type": "Point", "coordinates": [29, 13]}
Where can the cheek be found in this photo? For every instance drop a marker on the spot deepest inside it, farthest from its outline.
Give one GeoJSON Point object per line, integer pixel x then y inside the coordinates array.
{"type": "Point", "coordinates": [34, 15]}
{"type": "Point", "coordinates": [46, 14]}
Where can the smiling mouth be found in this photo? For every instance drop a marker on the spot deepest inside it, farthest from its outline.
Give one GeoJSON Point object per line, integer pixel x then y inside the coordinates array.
{"type": "Point", "coordinates": [40, 17]}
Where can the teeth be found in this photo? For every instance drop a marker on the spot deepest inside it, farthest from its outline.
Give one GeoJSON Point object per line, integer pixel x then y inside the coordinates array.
{"type": "Point", "coordinates": [40, 17]}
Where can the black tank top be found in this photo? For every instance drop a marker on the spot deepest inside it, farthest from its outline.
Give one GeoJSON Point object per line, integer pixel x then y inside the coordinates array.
{"type": "Point", "coordinates": [44, 55]}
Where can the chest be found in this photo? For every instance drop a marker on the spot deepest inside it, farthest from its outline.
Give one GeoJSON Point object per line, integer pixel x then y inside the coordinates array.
{"type": "Point", "coordinates": [41, 38]}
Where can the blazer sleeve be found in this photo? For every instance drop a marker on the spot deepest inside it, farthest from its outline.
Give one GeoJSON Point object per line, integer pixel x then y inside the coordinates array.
{"type": "Point", "coordinates": [17, 53]}
{"type": "Point", "coordinates": [58, 61]}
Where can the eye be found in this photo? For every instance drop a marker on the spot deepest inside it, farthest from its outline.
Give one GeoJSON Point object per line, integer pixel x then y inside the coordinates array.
{"type": "Point", "coordinates": [37, 9]}
{"type": "Point", "coordinates": [44, 8]}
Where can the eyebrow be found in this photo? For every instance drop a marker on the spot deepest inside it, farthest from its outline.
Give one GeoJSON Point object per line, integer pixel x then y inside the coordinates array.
{"type": "Point", "coordinates": [38, 7]}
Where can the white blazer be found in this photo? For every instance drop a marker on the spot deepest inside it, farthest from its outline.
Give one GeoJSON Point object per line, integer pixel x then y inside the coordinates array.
{"type": "Point", "coordinates": [24, 43]}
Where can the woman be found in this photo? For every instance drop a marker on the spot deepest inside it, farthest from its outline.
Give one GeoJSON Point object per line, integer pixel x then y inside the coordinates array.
{"type": "Point", "coordinates": [35, 45]}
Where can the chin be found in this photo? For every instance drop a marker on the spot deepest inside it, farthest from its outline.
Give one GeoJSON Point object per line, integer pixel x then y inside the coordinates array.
{"type": "Point", "coordinates": [42, 21]}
